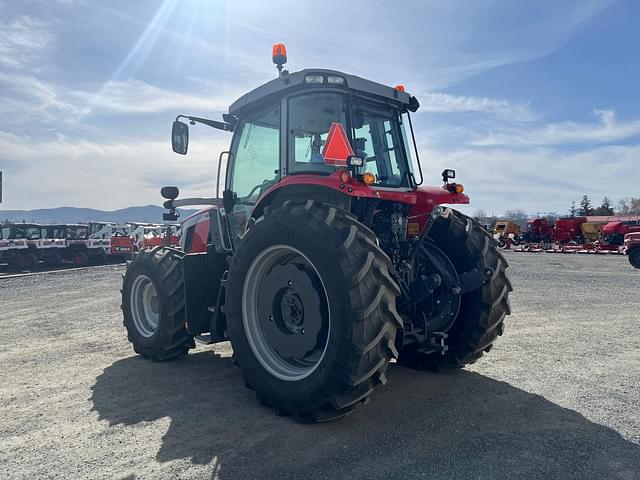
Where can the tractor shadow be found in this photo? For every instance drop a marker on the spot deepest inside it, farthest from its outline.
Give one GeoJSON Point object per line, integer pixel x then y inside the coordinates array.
{"type": "Point", "coordinates": [460, 425]}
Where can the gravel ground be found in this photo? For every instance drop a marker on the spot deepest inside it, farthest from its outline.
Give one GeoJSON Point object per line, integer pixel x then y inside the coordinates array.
{"type": "Point", "coordinates": [558, 397]}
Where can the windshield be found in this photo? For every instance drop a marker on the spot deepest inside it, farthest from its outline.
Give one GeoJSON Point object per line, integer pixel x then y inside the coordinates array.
{"type": "Point", "coordinates": [376, 134]}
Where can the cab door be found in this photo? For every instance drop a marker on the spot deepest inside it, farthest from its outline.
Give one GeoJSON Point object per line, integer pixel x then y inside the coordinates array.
{"type": "Point", "coordinates": [254, 167]}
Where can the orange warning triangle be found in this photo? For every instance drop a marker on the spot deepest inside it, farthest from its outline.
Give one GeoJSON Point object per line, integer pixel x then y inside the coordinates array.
{"type": "Point", "coordinates": [337, 148]}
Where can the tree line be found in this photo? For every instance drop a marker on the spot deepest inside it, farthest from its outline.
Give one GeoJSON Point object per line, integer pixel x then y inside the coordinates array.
{"type": "Point", "coordinates": [625, 206]}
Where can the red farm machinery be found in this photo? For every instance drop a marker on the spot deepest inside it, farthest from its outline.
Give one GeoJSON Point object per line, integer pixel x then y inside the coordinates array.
{"type": "Point", "coordinates": [324, 258]}
{"type": "Point", "coordinates": [577, 235]}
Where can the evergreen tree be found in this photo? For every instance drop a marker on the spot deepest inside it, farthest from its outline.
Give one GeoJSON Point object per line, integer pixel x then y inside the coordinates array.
{"type": "Point", "coordinates": [585, 206]}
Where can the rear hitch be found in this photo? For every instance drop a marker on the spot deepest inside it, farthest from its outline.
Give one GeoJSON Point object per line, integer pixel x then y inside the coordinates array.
{"type": "Point", "coordinates": [436, 343]}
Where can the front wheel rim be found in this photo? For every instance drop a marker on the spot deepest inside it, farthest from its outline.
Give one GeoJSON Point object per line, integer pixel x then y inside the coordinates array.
{"type": "Point", "coordinates": [145, 306]}
{"type": "Point", "coordinates": [285, 313]}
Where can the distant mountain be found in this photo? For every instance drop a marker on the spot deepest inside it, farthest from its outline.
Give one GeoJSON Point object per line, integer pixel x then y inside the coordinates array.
{"type": "Point", "coordinates": [146, 214]}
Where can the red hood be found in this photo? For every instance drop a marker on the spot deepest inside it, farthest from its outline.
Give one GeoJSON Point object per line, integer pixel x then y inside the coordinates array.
{"type": "Point", "coordinates": [610, 227]}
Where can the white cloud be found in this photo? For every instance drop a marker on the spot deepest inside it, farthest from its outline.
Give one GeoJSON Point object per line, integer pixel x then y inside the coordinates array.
{"type": "Point", "coordinates": [135, 97]}
{"type": "Point", "coordinates": [606, 130]}
{"type": "Point", "coordinates": [103, 175]}
{"type": "Point", "coordinates": [537, 178]}
{"type": "Point", "coordinates": [445, 103]}
{"type": "Point", "coordinates": [29, 100]}
{"type": "Point", "coordinates": [26, 99]}
{"type": "Point", "coordinates": [23, 40]}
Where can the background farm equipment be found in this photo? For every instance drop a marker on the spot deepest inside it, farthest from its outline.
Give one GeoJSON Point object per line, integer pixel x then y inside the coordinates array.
{"type": "Point", "coordinates": [613, 233]}
{"type": "Point", "coordinates": [506, 233]}
{"type": "Point", "coordinates": [17, 245]}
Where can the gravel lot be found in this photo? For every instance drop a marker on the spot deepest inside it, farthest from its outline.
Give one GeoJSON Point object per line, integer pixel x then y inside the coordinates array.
{"type": "Point", "coordinates": [558, 397]}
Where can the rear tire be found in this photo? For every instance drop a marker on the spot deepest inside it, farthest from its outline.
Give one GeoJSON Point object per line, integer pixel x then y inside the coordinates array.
{"type": "Point", "coordinates": [153, 305]}
{"type": "Point", "coordinates": [354, 338]}
{"type": "Point", "coordinates": [482, 311]}
{"type": "Point", "coordinates": [30, 261]}
{"type": "Point", "coordinates": [634, 257]}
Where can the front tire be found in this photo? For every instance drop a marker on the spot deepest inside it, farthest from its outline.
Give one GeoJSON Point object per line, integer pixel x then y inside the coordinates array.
{"type": "Point", "coordinates": [153, 305]}
{"type": "Point", "coordinates": [482, 311]}
{"type": "Point", "coordinates": [311, 311]}
{"type": "Point", "coordinates": [634, 257]}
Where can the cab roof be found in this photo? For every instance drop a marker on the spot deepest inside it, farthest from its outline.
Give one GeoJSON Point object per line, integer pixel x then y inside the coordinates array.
{"type": "Point", "coordinates": [289, 82]}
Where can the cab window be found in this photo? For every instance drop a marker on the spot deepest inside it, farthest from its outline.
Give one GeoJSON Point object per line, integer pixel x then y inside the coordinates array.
{"type": "Point", "coordinates": [256, 155]}
{"type": "Point", "coordinates": [256, 164]}
{"type": "Point", "coordinates": [378, 139]}
{"type": "Point", "coordinates": [309, 119]}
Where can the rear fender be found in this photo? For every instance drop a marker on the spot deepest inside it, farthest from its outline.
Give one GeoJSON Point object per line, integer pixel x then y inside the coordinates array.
{"type": "Point", "coordinates": [427, 198]}
{"type": "Point", "coordinates": [276, 197]}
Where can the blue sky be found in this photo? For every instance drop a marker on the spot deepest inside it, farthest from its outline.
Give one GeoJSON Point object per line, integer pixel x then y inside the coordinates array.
{"type": "Point", "coordinates": [533, 103]}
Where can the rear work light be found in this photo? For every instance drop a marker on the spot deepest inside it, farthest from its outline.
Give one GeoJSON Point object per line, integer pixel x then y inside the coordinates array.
{"type": "Point", "coordinates": [315, 79]}
{"type": "Point", "coordinates": [334, 80]}
{"type": "Point", "coordinates": [354, 161]}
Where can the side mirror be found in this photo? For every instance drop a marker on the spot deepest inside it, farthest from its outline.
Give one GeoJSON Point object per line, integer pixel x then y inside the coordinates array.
{"type": "Point", "coordinates": [180, 137]}
{"type": "Point", "coordinates": [170, 193]}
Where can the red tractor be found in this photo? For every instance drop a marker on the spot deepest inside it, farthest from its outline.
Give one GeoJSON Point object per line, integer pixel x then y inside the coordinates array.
{"type": "Point", "coordinates": [632, 248]}
{"type": "Point", "coordinates": [325, 258]}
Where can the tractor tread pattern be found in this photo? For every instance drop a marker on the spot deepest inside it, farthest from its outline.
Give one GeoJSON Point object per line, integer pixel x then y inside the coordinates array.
{"type": "Point", "coordinates": [367, 342]}
{"type": "Point", "coordinates": [174, 340]}
{"type": "Point", "coordinates": [479, 333]}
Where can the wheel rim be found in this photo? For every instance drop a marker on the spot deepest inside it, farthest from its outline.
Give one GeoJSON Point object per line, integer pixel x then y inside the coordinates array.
{"type": "Point", "coordinates": [145, 306]}
{"type": "Point", "coordinates": [285, 313]}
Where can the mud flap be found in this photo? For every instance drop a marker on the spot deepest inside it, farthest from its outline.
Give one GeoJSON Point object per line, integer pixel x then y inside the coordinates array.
{"type": "Point", "coordinates": [202, 279]}
{"type": "Point", "coordinates": [196, 292]}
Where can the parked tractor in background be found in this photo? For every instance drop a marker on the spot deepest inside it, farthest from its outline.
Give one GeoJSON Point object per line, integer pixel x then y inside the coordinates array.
{"type": "Point", "coordinates": [506, 230]}
{"type": "Point", "coordinates": [632, 248]}
{"type": "Point", "coordinates": [325, 258]}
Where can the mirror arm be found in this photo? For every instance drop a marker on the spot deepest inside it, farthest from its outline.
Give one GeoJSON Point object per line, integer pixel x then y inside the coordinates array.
{"type": "Point", "coordinates": [227, 127]}
{"type": "Point", "coordinates": [186, 202]}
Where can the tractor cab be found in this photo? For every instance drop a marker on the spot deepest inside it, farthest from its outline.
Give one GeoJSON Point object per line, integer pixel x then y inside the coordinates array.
{"type": "Point", "coordinates": [327, 132]}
